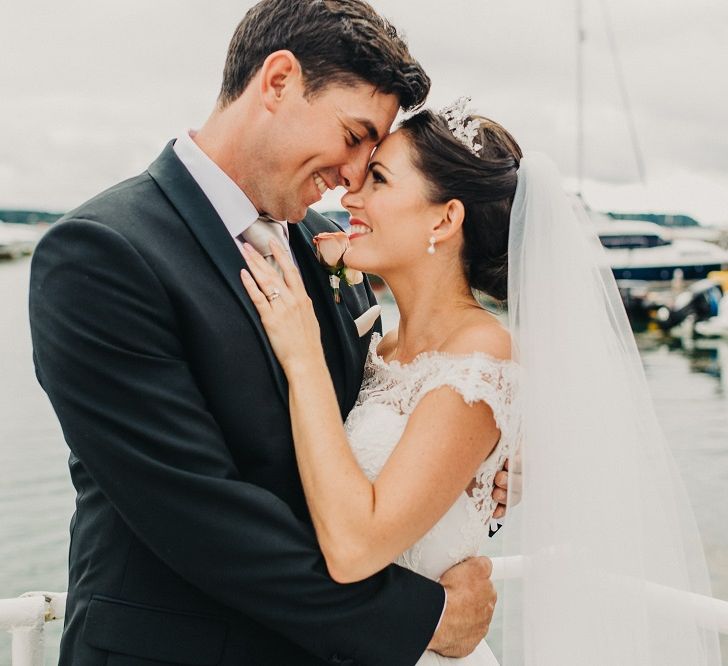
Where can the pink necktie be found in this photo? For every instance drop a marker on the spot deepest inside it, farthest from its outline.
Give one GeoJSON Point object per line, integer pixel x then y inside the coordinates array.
{"type": "Point", "coordinates": [261, 232]}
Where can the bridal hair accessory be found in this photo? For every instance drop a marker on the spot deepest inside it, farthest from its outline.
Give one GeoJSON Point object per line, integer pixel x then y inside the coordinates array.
{"type": "Point", "coordinates": [431, 248]}
{"type": "Point", "coordinates": [464, 130]}
{"type": "Point", "coordinates": [330, 250]}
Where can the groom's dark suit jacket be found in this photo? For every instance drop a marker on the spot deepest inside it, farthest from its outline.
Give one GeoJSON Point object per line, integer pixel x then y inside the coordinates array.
{"type": "Point", "coordinates": [191, 542]}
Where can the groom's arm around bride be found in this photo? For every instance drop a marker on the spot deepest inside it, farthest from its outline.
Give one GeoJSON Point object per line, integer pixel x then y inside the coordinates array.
{"type": "Point", "coordinates": [191, 542]}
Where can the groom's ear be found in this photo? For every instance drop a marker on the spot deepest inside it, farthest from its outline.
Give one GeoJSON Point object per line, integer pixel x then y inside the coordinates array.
{"type": "Point", "coordinates": [280, 74]}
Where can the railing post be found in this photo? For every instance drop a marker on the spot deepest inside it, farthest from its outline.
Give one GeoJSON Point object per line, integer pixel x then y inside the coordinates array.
{"type": "Point", "coordinates": [28, 646]}
{"type": "Point", "coordinates": [24, 618]}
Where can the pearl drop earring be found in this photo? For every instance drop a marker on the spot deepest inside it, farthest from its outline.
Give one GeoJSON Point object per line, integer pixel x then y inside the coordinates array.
{"type": "Point", "coordinates": [431, 249]}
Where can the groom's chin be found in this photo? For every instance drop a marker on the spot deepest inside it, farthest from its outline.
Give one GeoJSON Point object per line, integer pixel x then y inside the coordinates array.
{"type": "Point", "coordinates": [297, 213]}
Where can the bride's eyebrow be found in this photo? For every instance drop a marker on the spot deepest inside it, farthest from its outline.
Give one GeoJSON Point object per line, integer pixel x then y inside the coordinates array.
{"type": "Point", "coordinates": [379, 164]}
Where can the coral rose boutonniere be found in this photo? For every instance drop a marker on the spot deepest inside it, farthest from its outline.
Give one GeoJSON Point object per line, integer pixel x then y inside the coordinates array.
{"type": "Point", "coordinates": [330, 250]}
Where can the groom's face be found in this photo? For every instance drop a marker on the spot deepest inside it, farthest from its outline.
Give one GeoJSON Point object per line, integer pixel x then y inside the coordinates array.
{"type": "Point", "coordinates": [320, 143]}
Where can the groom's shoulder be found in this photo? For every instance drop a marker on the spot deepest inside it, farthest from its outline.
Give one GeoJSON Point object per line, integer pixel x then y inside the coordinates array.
{"type": "Point", "coordinates": [122, 214]}
{"type": "Point", "coordinates": [117, 201]}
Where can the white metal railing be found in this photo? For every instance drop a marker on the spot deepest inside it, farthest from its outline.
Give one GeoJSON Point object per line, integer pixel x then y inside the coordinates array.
{"type": "Point", "coordinates": [26, 616]}
{"type": "Point", "coordinates": [25, 619]}
{"type": "Point", "coordinates": [711, 613]}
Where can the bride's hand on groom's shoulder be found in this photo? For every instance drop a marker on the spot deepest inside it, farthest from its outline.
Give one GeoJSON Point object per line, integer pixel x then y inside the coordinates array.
{"type": "Point", "coordinates": [471, 599]}
{"type": "Point", "coordinates": [285, 308]}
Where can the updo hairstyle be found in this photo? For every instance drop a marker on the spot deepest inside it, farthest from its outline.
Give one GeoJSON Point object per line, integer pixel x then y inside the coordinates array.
{"type": "Point", "coordinates": [484, 183]}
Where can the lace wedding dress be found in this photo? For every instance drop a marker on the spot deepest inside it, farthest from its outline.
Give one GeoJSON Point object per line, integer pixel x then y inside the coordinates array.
{"type": "Point", "coordinates": [389, 394]}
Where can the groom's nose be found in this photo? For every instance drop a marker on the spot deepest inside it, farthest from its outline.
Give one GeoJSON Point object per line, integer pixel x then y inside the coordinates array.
{"type": "Point", "coordinates": [353, 173]}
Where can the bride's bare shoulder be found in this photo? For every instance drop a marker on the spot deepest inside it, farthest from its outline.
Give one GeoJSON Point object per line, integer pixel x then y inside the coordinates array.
{"type": "Point", "coordinates": [481, 333]}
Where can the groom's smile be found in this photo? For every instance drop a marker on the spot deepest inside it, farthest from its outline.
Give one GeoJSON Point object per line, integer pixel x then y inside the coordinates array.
{"type": "Point", "coordinates": [320, 183]}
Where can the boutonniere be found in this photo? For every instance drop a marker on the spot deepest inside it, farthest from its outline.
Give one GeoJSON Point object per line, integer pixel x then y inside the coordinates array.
{"type": "Point", "coordinates": [330, 250]}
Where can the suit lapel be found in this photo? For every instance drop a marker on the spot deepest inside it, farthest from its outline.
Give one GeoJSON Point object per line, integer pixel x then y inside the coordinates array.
{"type": "Point", "coordinates": [346, 359]}
{"type": "Point", "coordinates": [203, 221]}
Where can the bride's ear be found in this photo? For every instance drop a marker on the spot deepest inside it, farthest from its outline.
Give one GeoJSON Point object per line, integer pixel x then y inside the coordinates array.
{"type": "Point", "coordinates": [451, 222]}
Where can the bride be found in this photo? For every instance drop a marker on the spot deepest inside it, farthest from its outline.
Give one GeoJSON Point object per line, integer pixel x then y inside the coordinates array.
{"type": "Point", "coordinates": [449, 206]}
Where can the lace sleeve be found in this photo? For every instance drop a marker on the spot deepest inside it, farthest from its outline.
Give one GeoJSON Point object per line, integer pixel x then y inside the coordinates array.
{"type": "Point", "coordinates": [478, 378]}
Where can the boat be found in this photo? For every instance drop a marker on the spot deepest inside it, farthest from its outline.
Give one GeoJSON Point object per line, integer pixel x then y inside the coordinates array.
{"type": "Point", "coordinates": [699, 303]}
{"type": "Point", "coordinates": [642, 251]}
{"type": "Point", "coordinates": [715, 327]}
{"type": "Point", "coordinates": [17, 240]}
{"type": "Point", "coordinates": [679, 226]}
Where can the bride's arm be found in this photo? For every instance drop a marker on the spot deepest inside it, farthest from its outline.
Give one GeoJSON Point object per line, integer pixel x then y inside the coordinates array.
{"type": "Point", "coordinates": [362, 526]}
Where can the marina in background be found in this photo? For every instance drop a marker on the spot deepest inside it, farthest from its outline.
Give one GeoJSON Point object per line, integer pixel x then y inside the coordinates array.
{"type": "Point", "coordinates": [18, 240]}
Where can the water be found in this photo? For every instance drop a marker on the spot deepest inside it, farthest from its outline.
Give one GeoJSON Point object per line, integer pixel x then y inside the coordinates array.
{"type": "Point", "coordinates": [36, 496]}
{"type": "Point", "coordinates": [689, 383]}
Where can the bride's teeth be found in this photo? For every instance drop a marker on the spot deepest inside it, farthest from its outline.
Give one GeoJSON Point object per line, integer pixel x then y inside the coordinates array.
{"type": "Point", "coordinates": [320, 184]}
{"type": "Point", "coordinates": [359, 229]}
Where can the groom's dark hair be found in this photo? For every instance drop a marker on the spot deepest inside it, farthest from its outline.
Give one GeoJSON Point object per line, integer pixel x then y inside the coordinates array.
{"type": "Point", "coordinates": [336, 42]}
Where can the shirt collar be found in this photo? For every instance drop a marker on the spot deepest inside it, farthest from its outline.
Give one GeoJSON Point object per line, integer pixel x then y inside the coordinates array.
{"type": "Point", "coordinates": [232, 205]}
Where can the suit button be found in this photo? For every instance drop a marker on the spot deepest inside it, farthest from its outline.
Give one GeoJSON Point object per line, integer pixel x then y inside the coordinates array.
{"type": "Point", "coordinates": [336, 659]}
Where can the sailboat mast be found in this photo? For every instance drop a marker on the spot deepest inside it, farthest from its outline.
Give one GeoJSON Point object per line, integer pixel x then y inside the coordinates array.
{"type": "Point", "coordinates": [579, 95]}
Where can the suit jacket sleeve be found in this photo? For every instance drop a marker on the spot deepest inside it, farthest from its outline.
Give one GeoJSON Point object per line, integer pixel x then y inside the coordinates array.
{"type": "Point", "coordinates": [109, 356]}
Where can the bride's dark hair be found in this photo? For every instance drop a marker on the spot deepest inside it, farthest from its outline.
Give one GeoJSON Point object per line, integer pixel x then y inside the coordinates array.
{"type": "Point", "coordinates": [484, 183]}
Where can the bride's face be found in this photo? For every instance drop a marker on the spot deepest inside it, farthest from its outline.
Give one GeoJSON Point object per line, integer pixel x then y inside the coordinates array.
{"type": "Point", "coordinates": [391, 216]}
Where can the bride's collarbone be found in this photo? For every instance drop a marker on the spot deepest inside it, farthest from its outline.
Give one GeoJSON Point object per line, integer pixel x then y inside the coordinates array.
{"type": "Point", "coordinates": [479, 332]}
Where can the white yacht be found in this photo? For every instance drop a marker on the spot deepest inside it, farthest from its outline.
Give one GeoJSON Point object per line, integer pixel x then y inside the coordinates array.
{"type": "Point", "coordinates": [642, 251]}
{"type": "Point", "coordinates": [17, 240]}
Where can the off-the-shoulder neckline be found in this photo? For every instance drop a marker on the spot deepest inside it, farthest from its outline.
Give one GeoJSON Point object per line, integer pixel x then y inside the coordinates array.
{"type": "Point", "coordinates": [377, 359]}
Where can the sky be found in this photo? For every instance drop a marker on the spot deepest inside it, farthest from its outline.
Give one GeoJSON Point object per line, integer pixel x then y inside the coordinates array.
{"type": "Point", "coordinates": [90, 91]}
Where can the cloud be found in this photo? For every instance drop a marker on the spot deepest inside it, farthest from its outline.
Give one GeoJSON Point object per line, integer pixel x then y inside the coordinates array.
{"type": "Point", "coordinates": [90, 94]}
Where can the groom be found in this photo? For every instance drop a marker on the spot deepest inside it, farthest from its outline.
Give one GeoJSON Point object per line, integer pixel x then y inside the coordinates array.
{"type": "Point", "coordinates": [191, 542]}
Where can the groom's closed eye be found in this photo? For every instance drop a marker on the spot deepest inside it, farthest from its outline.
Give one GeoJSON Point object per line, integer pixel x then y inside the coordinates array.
{"type": "Point", "coordinates": [371, 131]}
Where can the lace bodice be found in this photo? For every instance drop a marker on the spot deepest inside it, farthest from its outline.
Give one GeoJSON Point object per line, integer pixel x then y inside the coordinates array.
{"type": "Point", "coordinates": [389, 394]}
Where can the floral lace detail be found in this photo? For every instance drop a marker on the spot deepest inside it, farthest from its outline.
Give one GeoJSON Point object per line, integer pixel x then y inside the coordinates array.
{"type": "Point", "coordinates": [476, 376]}
{"type": "Point", "coordinates": [389, 394]}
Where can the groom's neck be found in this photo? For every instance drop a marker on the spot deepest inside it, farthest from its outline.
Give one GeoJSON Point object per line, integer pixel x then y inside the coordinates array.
{"type": "Point", "coordinates": [227, 138]}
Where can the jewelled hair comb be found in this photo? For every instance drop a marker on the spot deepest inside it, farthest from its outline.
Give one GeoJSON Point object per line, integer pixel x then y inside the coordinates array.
{"type": "Point", "coordinates": [464, 130]}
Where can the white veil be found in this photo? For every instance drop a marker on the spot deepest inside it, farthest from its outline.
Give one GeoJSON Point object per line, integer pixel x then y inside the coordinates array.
{"type": "Point", "coordinates": [604, 524]}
